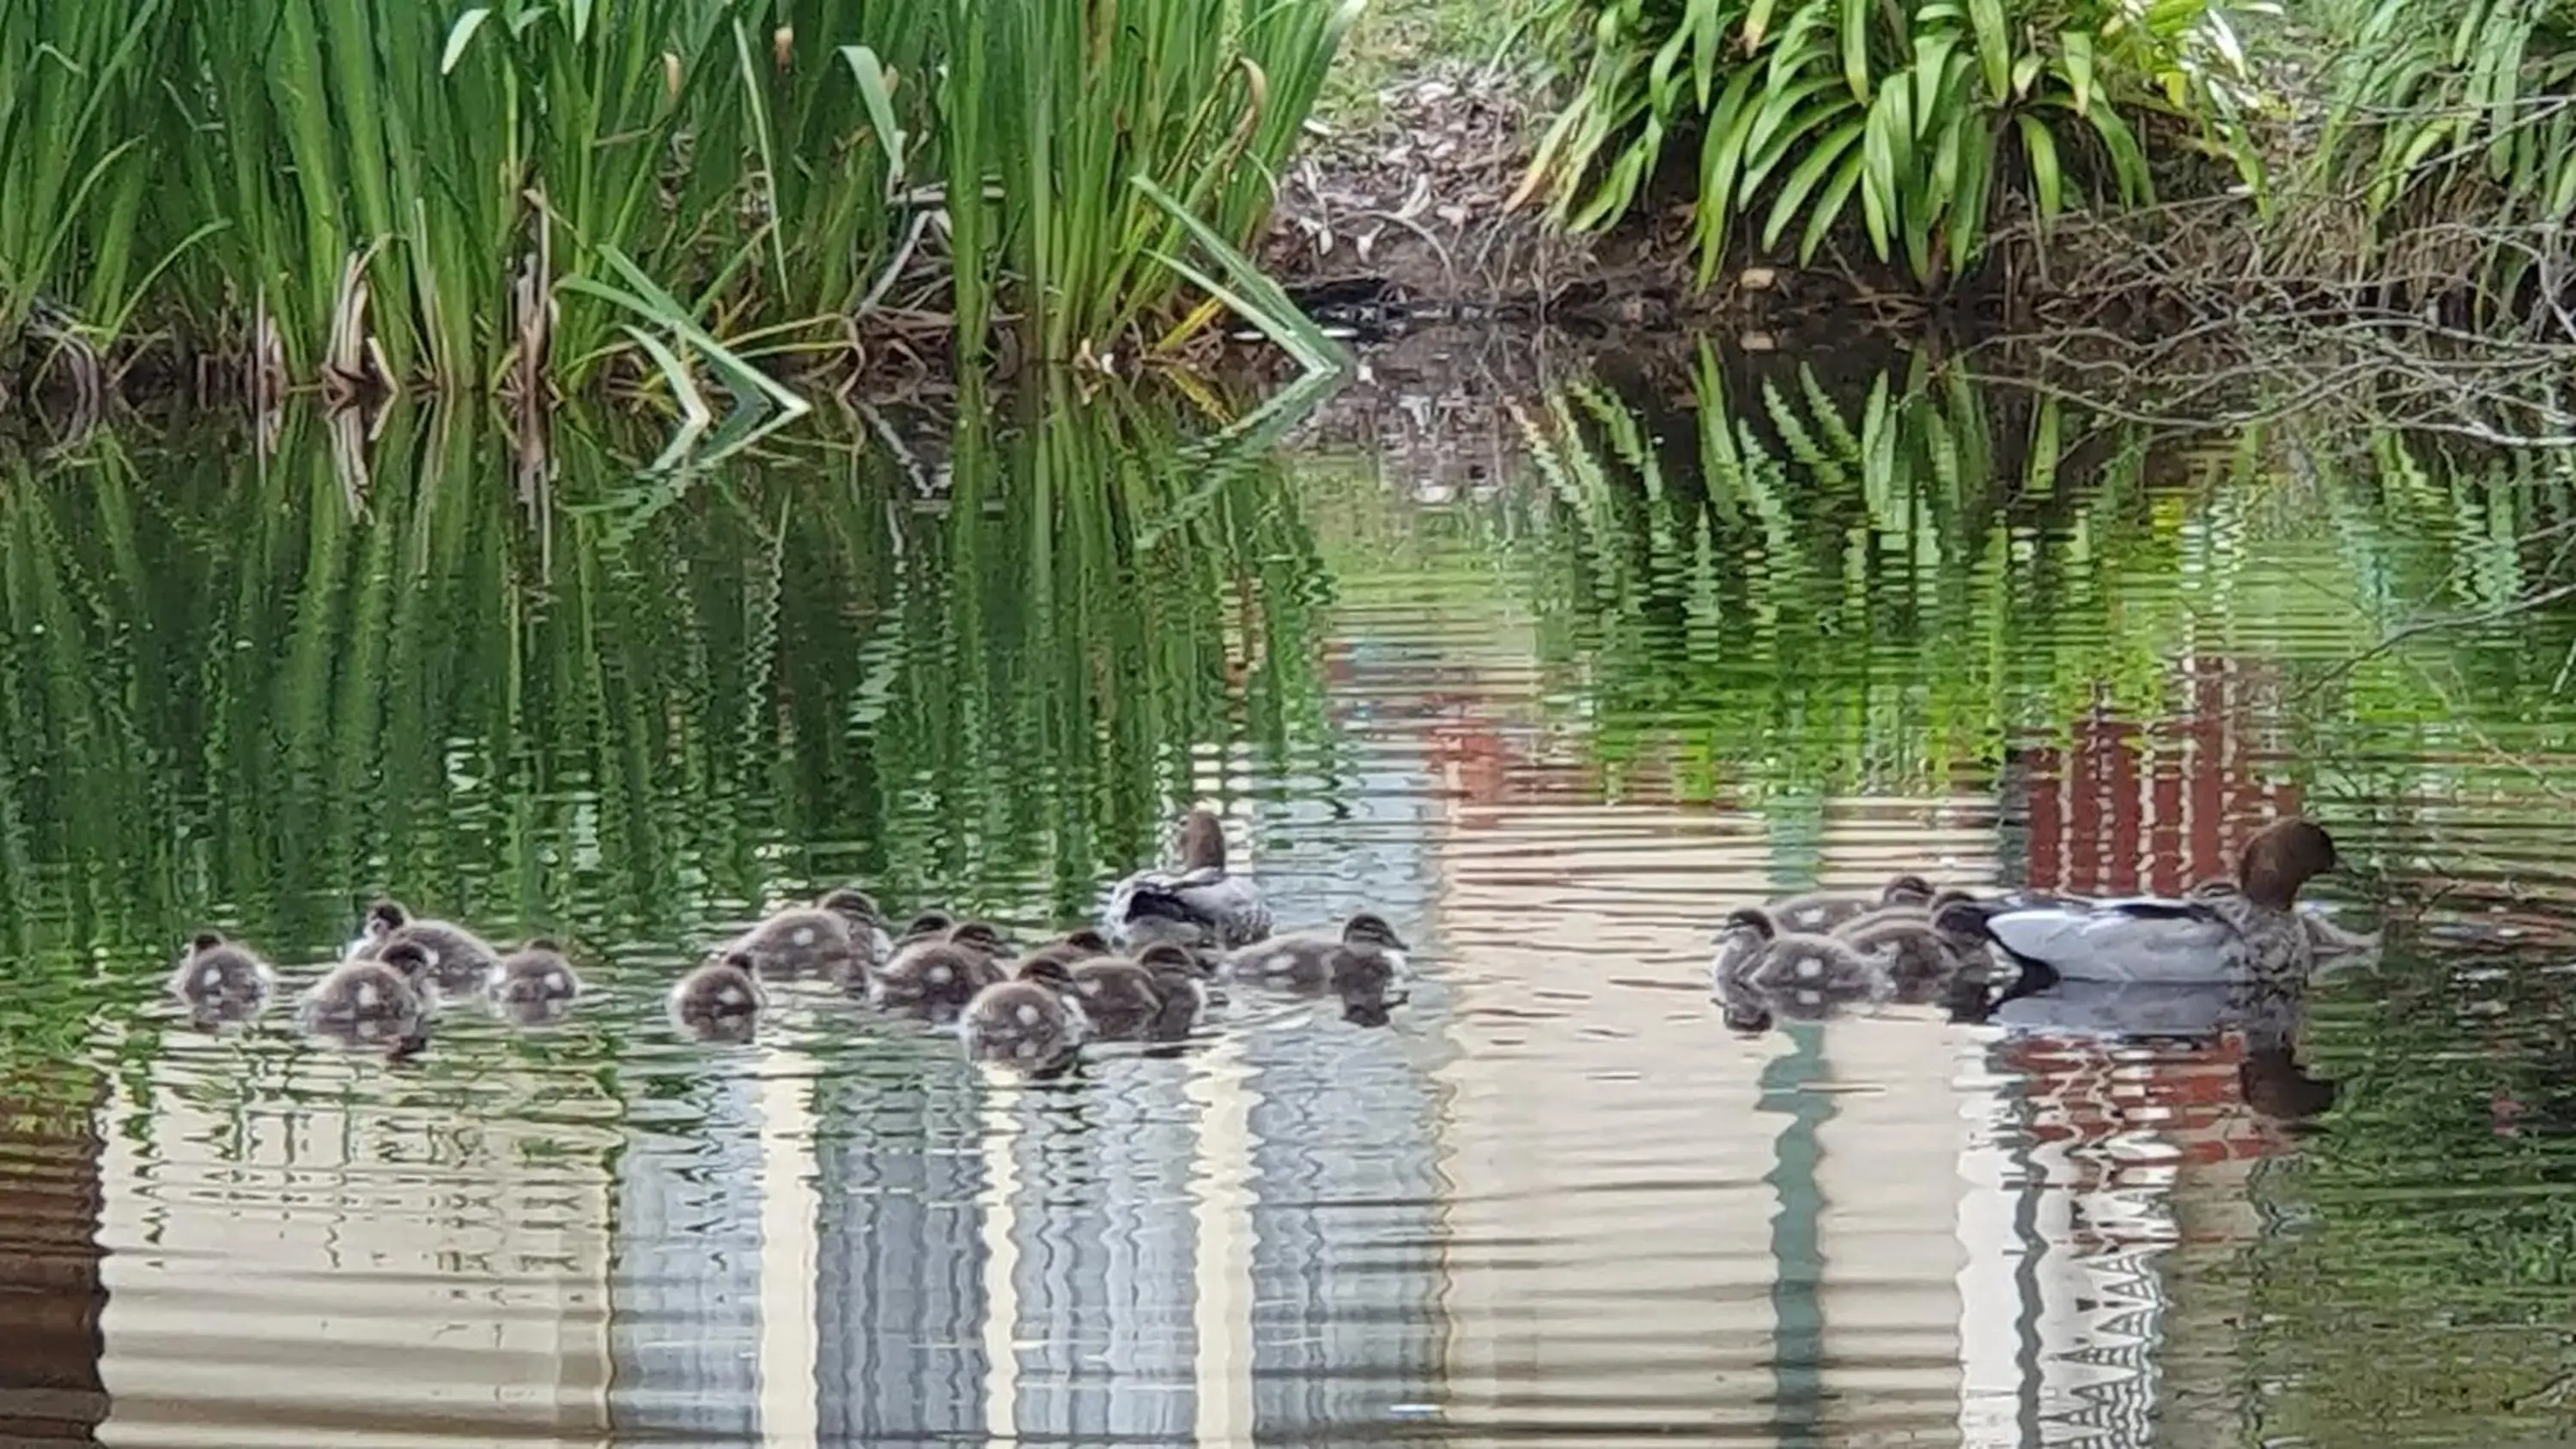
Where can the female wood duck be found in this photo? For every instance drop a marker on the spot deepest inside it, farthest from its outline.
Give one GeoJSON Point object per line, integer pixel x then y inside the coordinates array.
{"type": "Point", "coordinates": [222, 980]}
{"type": "Point", "coordinates": [721, 1000]}
{"type": "Point", "coordinates": [1031, 1021]}
{"type": "Point", "coordinates": [459, 960]}
{"type": "Point", "coordinates": [1199, 903]}
{"type": "Point", "coordinates": [377, 998]}
{"type": "Point", "coordinates": [839, 939]}
{"type": "Point", "coordinates": [534, 983]}
{"type": "Point", "coordinates": [2218, 931]}
{"type": "Point", "coordinates": [936, 977]}
{"type": "Point", "coordinates": [1821, 911]}
{"type": "Point", "coordinates": [1156, 996]}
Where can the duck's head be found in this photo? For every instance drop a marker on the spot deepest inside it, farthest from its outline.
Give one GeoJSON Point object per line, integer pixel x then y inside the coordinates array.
{"type": "Point", "coordinates": [1202, 841]}
{"type": "Point", "coordinates": [744, 962]}
{"type": "Point", "coordinates": [1163, 955]}
{"type": "Point", "coordinates": [409, 957]}
{"type": "Point", "coordinates": [2283, 857]}
{"type": "Point", "coordinates": [1048, 972]}
{"type": "Point", "coordinates": [1086, 940]}
{"type": "Point", "coordinates": [1947, 897]}
{"type": "Point", "coordinates": [541, 946]}
{"type": "Point", "coordinates": [1751, 919]}
{"type": "Point", "coordinates": [1965, 916]}
{"type": "Point", "coordinates": [853, 905]}
{"type": "Point", "coordinates": [1366, 929]}
{"type": "Point", "coordinates": [928, 923]}
{"type": "Point", "coordinates": [1062, 953]}
{"type": "Point", "coordinates": [386, 916]}
{"type": "Point", "coordinates": [1906, 890]}
{"type": "Point", "coordinates": [980, 936]}
{"type": "Point", "coordinates": [204, 941]}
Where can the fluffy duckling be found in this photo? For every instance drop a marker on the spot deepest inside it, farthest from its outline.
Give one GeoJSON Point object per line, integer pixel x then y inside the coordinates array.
{"type": "Point", "coordinates": [222, 980]}
{"type": "Point", "coordinates": [1753, 951]}
{"type": "Point", "coordinates": [1368, 950]}
{"type": "Point", "coordinates": [1820, 911]}
{"type": "Point", "coordinates": [934, 976]}
{"type": "Point", "coordinates": [1029, 1021]}
{"type": "Point", "coordinates": [839, 938]}
{"type": "Point", "coordinates": [1201, 899]}
{"type": "Point", "coordinates": [374, 998]}
{"type": "Point", "coordinates": [721, 1000]}
{"type": "Point", "coordinates": [459, 960]}
{"type": "Point", "coordinates": [1157, 995]}
{"type": "Point", "coordinates": [1916, 953]}
{"type": "Point", "coordinates": [923, 927]}
{"type": "Point", "coordinates": [535, 982]}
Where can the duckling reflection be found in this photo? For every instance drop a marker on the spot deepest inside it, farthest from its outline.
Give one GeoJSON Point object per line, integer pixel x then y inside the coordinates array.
{"type": "Point", "coordinates": [222, 981]}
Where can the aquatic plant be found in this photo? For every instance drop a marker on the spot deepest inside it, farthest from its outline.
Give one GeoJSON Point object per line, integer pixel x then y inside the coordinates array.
{"type": "Point", "coordinates": [1919, 119]}
{"type": "Point", "coordinates": [363, 193]}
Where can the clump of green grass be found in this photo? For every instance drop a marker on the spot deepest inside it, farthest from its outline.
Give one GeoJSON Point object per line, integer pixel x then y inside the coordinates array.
{"type": "Point", "coordinates": [382, 193]}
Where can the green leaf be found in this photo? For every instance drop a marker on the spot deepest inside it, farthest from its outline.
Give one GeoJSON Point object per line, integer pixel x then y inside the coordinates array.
{"type": "Point", "coordinates": [2041, 148]}
{"type": "Point", "coordinates": [1820, 157]}
{"type": "Point", "coordinates": [1855, 37]}
{"type": "Point", "coordinates": [1994, 46]}
{"type": "Point", "coordinates": [2077, 52]}
{"type": "Point", "coordinates": [460, 35]}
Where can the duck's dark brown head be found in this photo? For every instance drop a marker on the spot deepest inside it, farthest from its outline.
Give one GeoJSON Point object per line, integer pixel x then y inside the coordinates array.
{"type": "Point", "coordinates": [1906, 890]}
{"type": "Point", "coordinates": [1088, 941]}
{"type": "Point", "coordinates": [1048, 972]}
{"type": "Point", "coordinates": [743, 961]}
{"type": "Point", "coordinates": [387, 916]}
{"type": "Point", "coordinates": [928, 923]}
{"type": "Point", "coordinates": [853, 905]}
{"type": "Point", "coordinates": [409, 957]}
{"type": "Point", "coordinates": [1964, 917]}
{"type": "Point", "coordinates": [2284, 857]}
{"type": "Point", "coordinates": [1164, 955]}
{"type": "Point", "coordinates": [1062, 953]}
{"type": "Point", "coordinates": [1750, 918]}
{"type": "Point", "coordinates": [981, 936]}
{"type": "Point", "coordinates": [1366, 929]}
{"type": "Point", "coordinates": [205, 941]}
{"type": "Point", "coordinates": [1202, 841]}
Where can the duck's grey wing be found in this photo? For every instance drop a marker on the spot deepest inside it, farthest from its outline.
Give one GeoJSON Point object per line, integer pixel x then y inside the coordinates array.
{"type": "Point", "coordinates": [2148, 941]}
{"type": "Point", "coordinates": [1229, 907]}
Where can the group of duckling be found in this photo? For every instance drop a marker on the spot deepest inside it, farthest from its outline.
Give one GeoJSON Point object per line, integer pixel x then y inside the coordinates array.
{"type": "Point", "coordinates": [1141, 973]}
{"type": "Point", "coordinates": [1912, 943]}
{"type": "Point", "coordinates": [387, 982]}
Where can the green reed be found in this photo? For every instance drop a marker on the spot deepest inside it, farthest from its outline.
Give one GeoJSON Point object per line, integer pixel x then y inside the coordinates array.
{"type": "Point", "coordinates": [1871, 582]}
{"type": "Point", "coordinates": [361, 192]}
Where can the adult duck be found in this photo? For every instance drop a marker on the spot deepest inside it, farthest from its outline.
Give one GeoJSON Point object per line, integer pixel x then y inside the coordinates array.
{"type": "Point", "coordinates": [2218, 931]}
{"type": "Point", "coordinates": [1202, 903]}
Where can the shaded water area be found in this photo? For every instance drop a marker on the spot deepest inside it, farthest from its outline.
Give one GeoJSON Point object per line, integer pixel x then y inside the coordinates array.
{"type": "Point", "coordinates": [1552, 693]}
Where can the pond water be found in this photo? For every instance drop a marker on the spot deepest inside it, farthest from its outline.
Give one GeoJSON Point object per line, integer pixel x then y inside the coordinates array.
{"type": "Point", "coordinates": [1552, 680]}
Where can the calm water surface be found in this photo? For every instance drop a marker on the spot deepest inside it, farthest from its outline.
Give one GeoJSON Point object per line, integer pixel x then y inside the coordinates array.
{"type": "Point", "coordinates": [1552, 681]}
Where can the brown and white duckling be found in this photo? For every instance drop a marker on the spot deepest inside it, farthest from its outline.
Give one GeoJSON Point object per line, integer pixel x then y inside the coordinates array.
{"type": "Point", "coordinates": [222, 980]}
{"type": "Point", "coordinates": [1911, 947]}
{"type": "Point", "coordinates": [1752, 951]}
{"type": "Point", "coordinates": [1820, 911]}
{"type": "Point", "coordinates": [374, 998]}
{"type": "Point", "coordinates": [1368, 949]}
{"type": "Point", "coordinates": [934, 976]}
{"type": "Point", "coordinates": [839, 938]}
{"type": "Point", "coordinates": [1032, 1020]}
{"type": "Point", "coordinates": [459, 960]}
{"type": "Point", "coordinates": [535, 982]}
{"type": "Point", "coordinates": [721, 1000]}
{"type": "Point", "coordinates": [1157, 995]}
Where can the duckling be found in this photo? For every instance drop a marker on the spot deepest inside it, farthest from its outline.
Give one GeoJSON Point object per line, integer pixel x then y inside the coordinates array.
{"type": "Point", "coordinates": [1911, 947]}
{"type": "Point", "coordinates": [1368, 948]}
{"type": "Point", "coordinates": [535, 982]}
{"type": "Point", "coordinates": [839, 938]}
{"type": "Point", "coordinates": [721, 999]}
{"type": "Point", "coordinates": [1819, 911]}
{"type": "Point", "coordinates": [933, 976]}
{"type": "Point", "coordinates": [1144, 997]}
{"type": "Point", "coordinates": [222, 980]}
{"type": "Point", "coordinates": [1754, 952]}
{"type": "Point", "coordinates": [372, 998]}
{"type": "Point", "coordinates": [1226, 910]}
{"type": "Point", "coordinates": [1031, 1020]}
{"type": "Point", "coordinates": [459, 960]}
